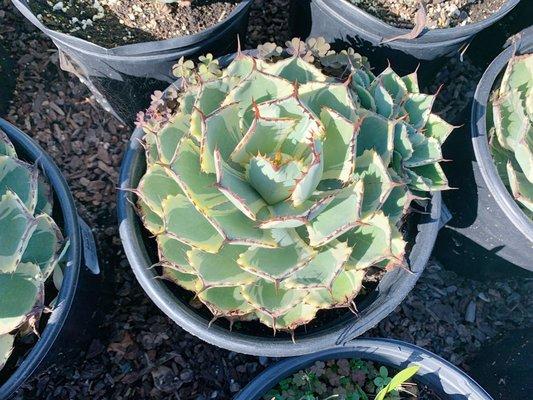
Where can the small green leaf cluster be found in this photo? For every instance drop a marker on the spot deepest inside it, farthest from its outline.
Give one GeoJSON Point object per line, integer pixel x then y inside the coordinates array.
{"type": "Point", "coordinates": [273, 185]}
{"type": "Point", "coordinates": [346, 379]}
{"type": "Point", "coordinates": [30, 243]}
{"type": "Point", "coordinates": [511, 130]}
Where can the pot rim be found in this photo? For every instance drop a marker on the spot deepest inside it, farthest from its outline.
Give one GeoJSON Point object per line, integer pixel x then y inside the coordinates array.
{"type": "Point", "coordinates": [432, 35]}
{"type": "Point", "coordinates": [71, 230]}
{"type": "Point", "coordinates": [454, 383]}
{"type": "Point", "coordinates": [480, 142]}
{"type": "Point", "coordinates": [134, 49]}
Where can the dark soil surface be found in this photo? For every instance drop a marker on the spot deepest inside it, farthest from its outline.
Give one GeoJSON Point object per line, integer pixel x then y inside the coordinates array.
{"type": "Point", "coordinates": [440, 13]}
{"type": "Point", "coordinates": [111, 23]}
{"type": "Point", "coordinates": [138, 353]}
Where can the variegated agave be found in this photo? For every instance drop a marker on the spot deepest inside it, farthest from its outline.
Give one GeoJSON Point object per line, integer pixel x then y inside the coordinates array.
{"type": "Point", "coordinates": [30, 242]}
{"type": "Point", "coordinates": [273, 185]}
{"type": "Point", "coordinates": [512, 130]}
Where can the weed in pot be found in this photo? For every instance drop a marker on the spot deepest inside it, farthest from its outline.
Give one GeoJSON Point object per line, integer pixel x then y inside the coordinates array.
{"type": "Point", "coordinates": [31, 244]}
{"type": "Point", "coordinates": [349, 379]}
{"type": "Point", "coordinates": [275, 185]}
{"type": "Point", "coordinates": [511, 130]}
{"type": "Point", "coordinates": [111, 23]}
{"type": "Point", "coordinates": [439, 14]}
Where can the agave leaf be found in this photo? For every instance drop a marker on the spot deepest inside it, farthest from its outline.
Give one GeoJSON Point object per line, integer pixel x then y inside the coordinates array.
{"type": "Point", "coordinates": [344, 289]}
{"type": "Point", "coordinates": [402, 143]}
{"type": "Point", "coordinates": [155, 186]}
{"type": "Point", "coordinates": [316, 95]}
{"type": "Point", "coordinates": [300, 314]}
{"type": "Point", "coordinates": [221, 130]}
{"type": "Point", "coordinates": [437, 128]}
{"type": "Point", "coordinates": [221, 269]}
{"type": "Point", "coordinates": [314, 168]}
{"type": "Point", "coordinates": [6, 347]}
{"type": "Point", "coordinates": [321, 270]}
{"type": "Point", "coordinates": [210, 97]}
{"type": "Point", "coordinates": [383, 99]}
{"type": "Point", "coordinates": [226, 301]}
{"type": "Point", "coordinates": [172, 252]}
{"type": "Point", "coordinates": [20, 291]}
{"type": "Point", "coordinates": [265, 136]}
{"type": "Point", "coordinates": [44, 197]}
{"type": "Point", "coordinates": [238, 229]}
{"type": "Point", "coordinates": [371, 241]}
{"type": "Point", "coordinates": [427, 178]}
{"type": "Point", "coordinates": [257, 87]}
{"type": "Point", "coordinates": [168, 138]}
{"type": "Point", "coordinates": [270, 299]}
{"type": "Point", "coordinates": [377, 183]}
{"type": "Point", "coordinates": [411, 82]}
{"type": "Point", "coordinates": [186, 281]}
{"type": "Point", "coordinates": [274, 183]}
{"type": "Point", "coordinates": [185, 223]}
{"type": "Point", "coordinates": [44, 245]}
{"type": "Point", "coordinates": [396, 204]}
{"type": "Point", "coordinates": [365, 98]}
{"type": "Point", "coordinates": [418, 106]}
{"type": "Point", "coordinates": [241, 66]}
{"type": "Point", "coordinates": [286, 215]}
{"type": "Point", "coordinates": [233, 185]}
{"type": "Point", "coordinates": [20, 178]}
{"type": "Point", "coordinates": [295, 69]}
{"type": "Point", "coordinates": [427, 152]}
{"type": "Point", "coordinates": [339, 145]}
{"type": "Point", "coordinates": [276, 264]}
{"type": "Point", "coordinates": [518, 74]}
{"type": "Point", "coordinates": [16, 227]}
{"type": "Point", "coordinates": [341, 215]}
{"type": "Point", "coordinates": [521, 187]}
{"type": "Point", "coordinates": [6, 147]}
{"type": "Point", "coordinates": [151, 220]}
{"type": "Point", "coordinates": [200, 188]}
{"type": "Point", "coordinates": [393, 84]}
{"type": "Point", "coordinates": [377, 133]}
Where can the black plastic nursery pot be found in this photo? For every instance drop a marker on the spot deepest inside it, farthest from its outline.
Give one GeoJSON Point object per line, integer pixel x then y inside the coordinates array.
{"type": "Point", "coordinates": [392, 289]}
{"type": "Point", "coordinates": [68, 324]}
{"type": "Point", "coordinates": [342, 23]}
{"type": "Point", "coordinates": [444, 379]}
{"type": "Point", "coordinates": [489, 234]}
{"type": "Point", "coordinates": [122, 78]}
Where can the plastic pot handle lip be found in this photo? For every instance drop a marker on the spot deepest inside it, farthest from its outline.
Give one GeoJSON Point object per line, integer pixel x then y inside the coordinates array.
{"type": "Point", "coordinates": [387, 351]}
{"type": "Point", "coordinates": [70, 281]}
{"type": "Point", "coordinates": [136, 48]}
{"type": "Point", "coordinates": [478, 126]}
{"type": "Point", "coordinates": [190, 320]}
{"type": "Point", "coordinates": [456, 32]}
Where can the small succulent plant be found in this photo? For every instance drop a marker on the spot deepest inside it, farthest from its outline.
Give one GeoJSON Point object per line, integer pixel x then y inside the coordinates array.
{"type": "Point", "coordinates": [346, 379]}
{"type": "Point", "coordinates": [30, 244]}
{"type": "Point", "coordinates": [273, 184]}
{"type": "Point", "coordinates": [512, 130]}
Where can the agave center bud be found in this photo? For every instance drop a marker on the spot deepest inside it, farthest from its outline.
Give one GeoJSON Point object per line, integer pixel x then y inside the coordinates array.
{"type": "Point", "coordinates": [274, 177]}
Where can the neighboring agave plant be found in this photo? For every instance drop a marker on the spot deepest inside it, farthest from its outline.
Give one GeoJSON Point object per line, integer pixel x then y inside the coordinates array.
{"type": "Point", "coordinates": [274, 184]}
{"type": "Point", "coordinates": [512, 131]}
{"type": "Point", "coordinates": [30, 243]}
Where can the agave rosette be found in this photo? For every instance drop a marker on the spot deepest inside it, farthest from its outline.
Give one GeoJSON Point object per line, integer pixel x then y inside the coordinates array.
{"type": "Point", "coordinates": [30, 243]}
{"type": "Point", "coordinates": [275, 183]}
{"type": "Point", "coordinates": [512, 130]}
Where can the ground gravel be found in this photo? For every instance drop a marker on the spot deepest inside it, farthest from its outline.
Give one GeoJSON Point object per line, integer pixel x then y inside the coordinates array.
{"type": "Point", "coordinates": [139, 353]}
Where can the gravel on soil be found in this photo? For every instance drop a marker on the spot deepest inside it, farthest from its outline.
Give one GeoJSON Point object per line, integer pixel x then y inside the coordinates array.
{"type": "Point", "coordinates": [111, 23]}
{"type": "Point", "coordinates": [139, 353]}
{"type": "Point", "coordinates": [440, 13]}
